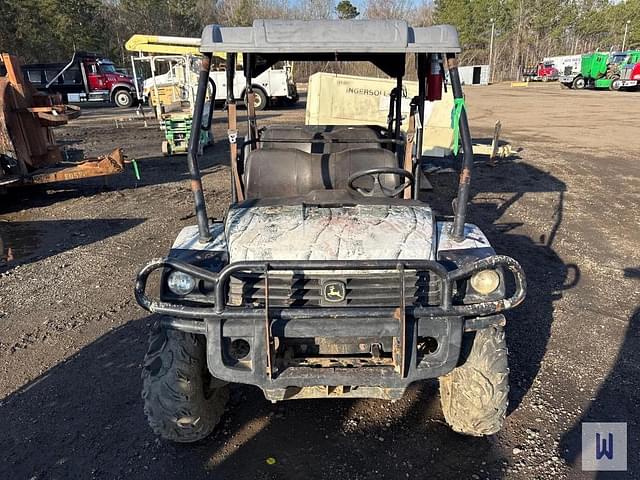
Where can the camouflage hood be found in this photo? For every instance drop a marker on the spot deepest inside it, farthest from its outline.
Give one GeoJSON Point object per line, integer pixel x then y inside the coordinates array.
{"type": "Point", "coordinates": [333, 233]}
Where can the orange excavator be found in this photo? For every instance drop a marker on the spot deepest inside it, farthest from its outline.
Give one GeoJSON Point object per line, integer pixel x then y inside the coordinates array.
{"type": "Point", "coordinates": [28, 151]}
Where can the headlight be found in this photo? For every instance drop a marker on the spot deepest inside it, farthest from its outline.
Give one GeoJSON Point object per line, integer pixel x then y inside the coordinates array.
{"type": "Point", "coordinates": [181, 283]}
{"type": "Point", "coordinates": [485, 281]}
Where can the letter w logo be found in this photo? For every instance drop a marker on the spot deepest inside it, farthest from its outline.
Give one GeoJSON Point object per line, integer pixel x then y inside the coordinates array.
{"type": "Point", "coordinates": [604, 447]}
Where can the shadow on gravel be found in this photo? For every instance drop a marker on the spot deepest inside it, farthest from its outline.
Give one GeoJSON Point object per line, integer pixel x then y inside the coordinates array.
{"type": "Point", "coordinates": [548, 276]}
{"type": "Point", "coordinates": [24, 242]}
{"type": "Point", "coordinates": [617, 400]}
{"type": "Point", "coordinates": [83, 419]}
{"type": "Point", "coordinates": [495, 190]}
{"type": "Point", "coordinates": [354, 439]}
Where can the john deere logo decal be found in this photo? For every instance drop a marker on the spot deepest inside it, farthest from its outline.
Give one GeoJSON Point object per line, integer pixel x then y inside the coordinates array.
{"type": "Point", "coordinates": [334, 291]}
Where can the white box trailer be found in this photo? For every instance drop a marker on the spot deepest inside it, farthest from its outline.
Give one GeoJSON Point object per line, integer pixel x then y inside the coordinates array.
{"type": "Point", "coordinates": [565, 64]}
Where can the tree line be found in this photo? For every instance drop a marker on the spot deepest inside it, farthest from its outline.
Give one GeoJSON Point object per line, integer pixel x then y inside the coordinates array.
{"type": "Point", "coordinates": [524, 31]}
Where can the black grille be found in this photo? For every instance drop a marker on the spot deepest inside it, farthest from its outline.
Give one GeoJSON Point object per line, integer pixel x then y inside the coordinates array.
{"type": "Point", "coordinates": [305, 290]}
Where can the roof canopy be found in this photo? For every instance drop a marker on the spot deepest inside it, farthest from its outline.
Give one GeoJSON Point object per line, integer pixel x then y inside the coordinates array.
{"type": "Point", "coordinates": [384, 43]}
{"type": "Point", "coordinates": [289, 37]}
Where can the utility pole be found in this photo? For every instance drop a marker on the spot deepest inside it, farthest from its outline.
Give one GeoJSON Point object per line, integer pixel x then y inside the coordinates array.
{"type": "Point", "coordinates": [626, 29]}
{"type": "Point", "coordinates": [493, 27]}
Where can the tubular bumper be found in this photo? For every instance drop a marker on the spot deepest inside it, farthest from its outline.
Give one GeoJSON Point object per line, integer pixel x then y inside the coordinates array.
{"type": "Point", "coordinates": [260, 325]}
{"type": "Point", "coordinates": [221, 280]}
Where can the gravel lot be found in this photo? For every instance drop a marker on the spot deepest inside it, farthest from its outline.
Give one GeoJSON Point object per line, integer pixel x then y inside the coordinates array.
{"type": "Point", "coordinates": [72, 337]}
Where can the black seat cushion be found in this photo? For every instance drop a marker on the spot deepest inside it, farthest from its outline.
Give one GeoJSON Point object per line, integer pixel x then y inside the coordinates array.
{"type": "Point", "coordinates": [281, 172]}
{"type": "Point", "coordinates": [287, 172]}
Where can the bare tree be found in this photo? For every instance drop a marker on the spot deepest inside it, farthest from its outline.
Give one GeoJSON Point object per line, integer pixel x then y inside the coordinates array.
{"type": "Point", "coordinates": [399, 9]}
{"type": "Point", "coordinates": [423, 15]}
{"type": "Point", "coordinates": [311, 9]}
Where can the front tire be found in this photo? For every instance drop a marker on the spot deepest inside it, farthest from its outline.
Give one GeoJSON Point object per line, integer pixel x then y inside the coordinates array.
{"type": "Point", "coordinates": [579, 83]}
{"type": "Point", "coordinates": [182, 401]}
{"type": "Point", "coordinates": [616, 84]}
{"type": "Point", "coordinates": [474, 396]}
{"type": "Point", "coordinates": [261, 102]}
{"type": "Point", "coordinates": [123, 98]}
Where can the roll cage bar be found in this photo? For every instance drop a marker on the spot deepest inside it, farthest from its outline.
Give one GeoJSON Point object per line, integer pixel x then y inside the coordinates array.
{"type": "Point", "coordinates": [385, 43]}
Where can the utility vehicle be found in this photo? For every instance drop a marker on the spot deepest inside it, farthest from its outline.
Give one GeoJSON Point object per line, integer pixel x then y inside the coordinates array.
{"type": "Point", "coordinates": [328, 277]}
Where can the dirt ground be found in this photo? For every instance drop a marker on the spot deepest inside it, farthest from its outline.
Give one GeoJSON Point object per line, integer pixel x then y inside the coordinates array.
{"type": "Point", "coordinates": [72, 337]}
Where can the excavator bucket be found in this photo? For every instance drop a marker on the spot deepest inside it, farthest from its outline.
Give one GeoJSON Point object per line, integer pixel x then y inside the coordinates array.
{"type": "Point", "coordinates": [90, 167]}
{"type": "Point", "coordinates": [28, 151]}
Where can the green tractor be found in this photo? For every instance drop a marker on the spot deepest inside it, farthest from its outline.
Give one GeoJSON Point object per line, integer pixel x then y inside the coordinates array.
{"type": "Point", "coordinates": [601, 70]}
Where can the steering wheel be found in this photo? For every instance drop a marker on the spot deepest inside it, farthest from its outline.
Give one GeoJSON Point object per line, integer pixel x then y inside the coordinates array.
{"type": "Point", "coordinates": [378, 187]}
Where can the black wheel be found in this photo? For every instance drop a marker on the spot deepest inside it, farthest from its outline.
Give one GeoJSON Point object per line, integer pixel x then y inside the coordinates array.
{"type": "Point", "coordinates": [474, 395]}
{"type": "Point", "coordinates": [123, 98]}
{"type": "Point", "coordinates": [182, 401]}
{"type": "Point", "coordinates": [579, 83]}
{"type": "Point", "coordinates": [616, 84]}
{"type": "Point", "coordinates": [260, 100]}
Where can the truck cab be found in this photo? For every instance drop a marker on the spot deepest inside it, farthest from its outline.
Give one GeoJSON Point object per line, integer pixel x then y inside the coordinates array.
{"type": "Point", "coordinates": [542, 72]}
{"type": "Point", "coordinates": [105, 80]}
{"type": "Point", "coordinates": [547, 71]}
{"type": "Point", "coordinates": [86, 77]}
{"type": "Point", "coordinates": [629, 71]}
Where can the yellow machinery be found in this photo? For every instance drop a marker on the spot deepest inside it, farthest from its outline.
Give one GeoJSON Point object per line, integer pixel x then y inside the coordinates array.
{"type": "Point", "coordinates": [174, 54]}
{"type": "Point", "coordinates": [179, 53]}
{"type": "Point", "coordinates": [163, 44]}
{"type": "Point", "coordinates": [172, 98]}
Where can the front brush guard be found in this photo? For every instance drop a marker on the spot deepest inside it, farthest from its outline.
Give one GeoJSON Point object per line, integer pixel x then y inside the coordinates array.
{"type": "Point", "coordinates": [220, 281]}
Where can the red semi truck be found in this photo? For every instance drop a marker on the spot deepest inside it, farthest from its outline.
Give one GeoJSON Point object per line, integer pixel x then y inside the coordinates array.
{"type": "Point", "coordinates": [87, 77]}
{"type": "Point", "coordinates": [544, 72]}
